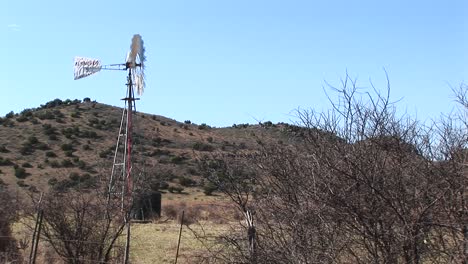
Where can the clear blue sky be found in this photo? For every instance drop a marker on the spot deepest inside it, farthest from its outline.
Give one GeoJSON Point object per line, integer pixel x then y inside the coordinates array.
{"type": "Point", "coordinates": [234, 61]}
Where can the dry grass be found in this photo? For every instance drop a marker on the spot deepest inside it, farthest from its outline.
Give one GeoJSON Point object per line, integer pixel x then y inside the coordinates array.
{"type": "Point", "coordinates": [157, 242]}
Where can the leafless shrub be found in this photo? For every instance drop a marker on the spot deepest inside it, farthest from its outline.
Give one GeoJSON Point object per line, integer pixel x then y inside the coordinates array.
{"type": "Point", "coordinates": [8, 245]}
{"type": "Point", "coordinates": [81, 227]}
{"type": "Point", "coordinates": [358, 184]}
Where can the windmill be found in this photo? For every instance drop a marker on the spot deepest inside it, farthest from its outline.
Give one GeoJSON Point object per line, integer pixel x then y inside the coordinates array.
{"type": "Point", "coordinates": [120, 182]}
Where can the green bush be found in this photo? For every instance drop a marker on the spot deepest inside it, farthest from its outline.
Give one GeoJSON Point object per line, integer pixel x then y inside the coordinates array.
{"type": "Point", "coordinates": [105, 153]}
{"type": "Point", "coordinates": [203, 126]}
{"type": "Point", "coordinates": [75, 181]}
{"type": "Point", "coordinates": [45, 115]}
{"type": "Point", "coordinates": [52, 181]}
{"type": "Point", "coordinates": [202, 147]}
{"type": "Point", "coordinates": [21, 184]}
{"type": "Point", "coordinates": [42, 146]}
{"type": "Point", "coordinates": [66, 147]}
{"type": "Point", "coordinates": [22, 118]}
{"type": "Point", "coordinates": [5, 162]}
{"type": "Point", "coordinates": [66, 163]}
{"type": "Point", "coordinates": [209, 188]}
{"type": "Point", "coordinates": [26, 149]}
{"type": "Point", "coordinates": [21, 173]}
{"type": "Point", "coordinates": [163, 185]}
{"type": "Point", "coordinates": [177, 159]}
{"type": "Point", "coordinates": [10, 114]}
{"type": "Point", "coordinates": [50, 154]}
{"type": "Point", "coordinates": [27, 165]}
{"type": "Point", "coordinates": [3, 149]}
{"type": "Point", "coordinates": [186, 182]}
{"type": "Point", "coordinates": [54, 164]}
{"type": "Point", "coordinates": [33, 140]}
{"type": "Point", "coordinates": [75, 114]}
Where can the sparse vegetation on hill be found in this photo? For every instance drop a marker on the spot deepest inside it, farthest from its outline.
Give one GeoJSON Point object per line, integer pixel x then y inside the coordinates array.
{"type": "Point", "coordinates": [63, 135]}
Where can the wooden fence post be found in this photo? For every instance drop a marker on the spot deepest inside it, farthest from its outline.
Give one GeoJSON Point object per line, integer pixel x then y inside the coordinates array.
{"type": "Point", "coordinates": [180, 234]}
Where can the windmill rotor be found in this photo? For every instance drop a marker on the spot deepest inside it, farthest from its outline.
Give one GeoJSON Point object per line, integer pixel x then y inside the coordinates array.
{"type": "Point", "coordinates": [136, 63]}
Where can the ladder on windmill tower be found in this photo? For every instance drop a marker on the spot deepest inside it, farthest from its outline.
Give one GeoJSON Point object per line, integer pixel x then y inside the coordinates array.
{"type": "Point", "coordinates": [120, 181]}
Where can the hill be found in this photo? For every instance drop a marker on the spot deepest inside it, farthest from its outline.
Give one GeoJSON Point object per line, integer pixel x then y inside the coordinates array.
{"type": "Point", "coordinates": [70, 144]}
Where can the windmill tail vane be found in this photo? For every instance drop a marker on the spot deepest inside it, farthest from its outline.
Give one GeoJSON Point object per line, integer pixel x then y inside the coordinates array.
{"type": "Point", "coordinates": [135, 63]}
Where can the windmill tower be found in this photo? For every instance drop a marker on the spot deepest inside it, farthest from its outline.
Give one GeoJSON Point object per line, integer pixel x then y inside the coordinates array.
{"type": "Point", "coordinates": [120, 181]}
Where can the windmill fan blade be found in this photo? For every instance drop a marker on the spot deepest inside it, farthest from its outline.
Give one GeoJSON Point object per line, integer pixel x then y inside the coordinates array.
{"type": "Point", "coordinates": [136, 48]}
{"type": "Point", "coordinates": [140, 84]}
{"type": "Point", "coordinates": [85, 67]}
{"type": "Point", "coordinates": [136, 57]}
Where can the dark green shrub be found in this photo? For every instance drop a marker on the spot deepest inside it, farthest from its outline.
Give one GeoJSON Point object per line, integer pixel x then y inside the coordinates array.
{"type": "Point", "coordinates": [188, 122]}
{"type": "Point", "coordinates": [26, 149]}
{"type": "Point", "coordinates": [75, 181]}
{"type": "Point", "coordinates": [203, 126]}
{"type": "Point", "coordinates": [105, 153]}
{"type": "Point", "coordinates": [5, 162]}
{"type": "Point", "coordinates": [10, 114]}
{"type": "Point", "coordinates": [50, 154]}
{"type": "Point", "coordinates": [209, 188]}
{"type": "Point", "coordinates": [21, 184]}
{"type": "Point", "coordinates": [3, 149]}
{"type": "Point", "coordinates": [33, 140]}
{"type": "Point", "coordinates": [21, 173]}
{"type": "Point", "coordinates": [27, 165]}
{"type": "Point", "coordinates": [186, 182]}
{"type": "Point", "coordinates": [66, 147]}
{"type": "Point", "coordinates": [75, 114]}
{"type": "Point", "coordinates": [42, 146]}
{"type": "Point", "coordinates": [177, 159]}
{"type": "Point", "coordinates": [45, 115]}
{"type": "Point", "coordinates": [81, 164]}
{"type": "Point", "coordinates": [86, 147]}
{"type": "Point", "coordinates": [66, 163]}
{"type": "Point", "coordinates": [159, 152]}
{"type": "Point", "coordinates": [27, 112]}
{"type": "Point", "coordinates": [58, 114]}
{"type": "Point", "coordinates": [209, 139]}
{"type": "Point", "coordinates": [202, 147]}
{"type": "Point", "coordinates": [52, 181]}
{"type": "Point", "coordinates": [22, 118]}
{"type": "Point", "coordinates": [163, 185]}
{"type": "Point", "coordinates": [54, 164]}
{"type": "Point", "coordinates": [192, 171]}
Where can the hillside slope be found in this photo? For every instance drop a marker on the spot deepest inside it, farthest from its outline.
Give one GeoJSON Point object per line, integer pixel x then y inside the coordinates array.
{"type": "Point", "coordinates": [70, 144]}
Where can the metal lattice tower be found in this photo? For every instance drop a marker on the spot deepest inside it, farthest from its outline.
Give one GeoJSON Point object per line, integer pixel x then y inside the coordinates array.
{"type": "Point", "coordinates": [120, 183]}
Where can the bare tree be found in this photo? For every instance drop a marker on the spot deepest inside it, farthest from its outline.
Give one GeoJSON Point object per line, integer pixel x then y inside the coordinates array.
{"type": "Point", "coordinates": [8, 248]}
{"type": "Point", "coordinates": [358, 184]}
{"type": "Point", "coordinates": [82, 227]}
